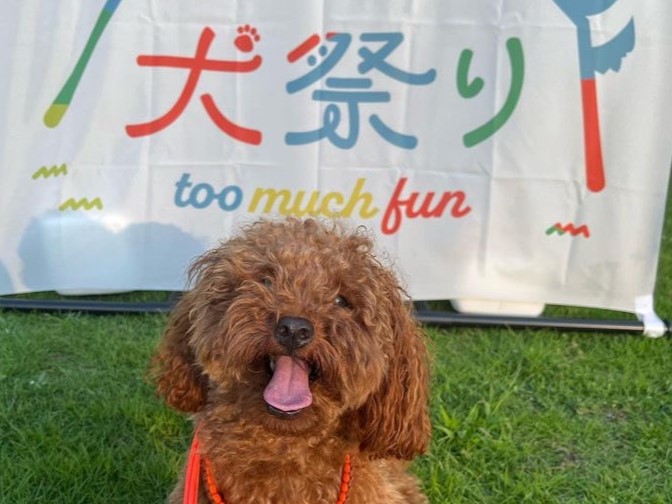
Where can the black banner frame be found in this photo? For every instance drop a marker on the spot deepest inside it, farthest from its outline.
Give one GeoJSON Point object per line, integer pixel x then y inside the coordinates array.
{"type": "Point", "coordinates": [424, 314]}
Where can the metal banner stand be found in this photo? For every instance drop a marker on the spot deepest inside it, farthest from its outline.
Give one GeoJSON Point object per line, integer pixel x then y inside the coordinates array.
{"type": "Point", "coordinates": [424, 314]}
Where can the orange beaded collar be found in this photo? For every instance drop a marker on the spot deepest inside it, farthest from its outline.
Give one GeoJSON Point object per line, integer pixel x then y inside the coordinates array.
{"type": "Point", "coordinates": [192, 478]}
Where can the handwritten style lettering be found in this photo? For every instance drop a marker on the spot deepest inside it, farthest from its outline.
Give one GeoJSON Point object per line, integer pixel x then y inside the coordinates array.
{"type": "Point", "coordinates": [331, 204]}
{"type": "Point", "coordinates": [413, 207]}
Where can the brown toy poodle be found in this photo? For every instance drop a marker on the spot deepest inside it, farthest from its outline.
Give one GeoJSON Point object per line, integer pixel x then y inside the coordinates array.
{"type": "Point", "coordinates": [306, 374]}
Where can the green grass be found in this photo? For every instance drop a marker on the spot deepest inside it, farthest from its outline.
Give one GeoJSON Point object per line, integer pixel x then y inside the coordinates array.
{"type": "Point", "coordinates": [518, 416]}
{"type": "Point", "coordinates": [78, 422]}
{"type": "Point", "coordinates": [542, 417]}
{"type": "Point", "coordinates": [526, 416]}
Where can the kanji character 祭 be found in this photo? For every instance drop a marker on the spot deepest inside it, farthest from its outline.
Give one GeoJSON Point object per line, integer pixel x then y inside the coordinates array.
{"type": "Point", "coordinates": [351, 92]}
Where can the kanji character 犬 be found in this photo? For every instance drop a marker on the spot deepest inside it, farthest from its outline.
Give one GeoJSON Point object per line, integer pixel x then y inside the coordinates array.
{"type": "Point", "coordinates": [196, 65]}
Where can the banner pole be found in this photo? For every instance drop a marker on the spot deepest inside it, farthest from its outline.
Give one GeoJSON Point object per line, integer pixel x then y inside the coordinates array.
{"type": "Point", "coordinates": [424, 315]}
{"type": "Point", "coordinates": [449, 320]}
{"type": "Point", "coordinates": [84, 306]}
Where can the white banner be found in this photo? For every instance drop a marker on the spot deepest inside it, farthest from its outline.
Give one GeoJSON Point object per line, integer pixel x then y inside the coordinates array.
{"type": "Point", "coordinates": [499, 150]}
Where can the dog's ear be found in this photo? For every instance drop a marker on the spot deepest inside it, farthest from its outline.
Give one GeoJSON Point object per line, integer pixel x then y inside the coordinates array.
{"type": "Point", "coordinates": [395, 420]}
{"type": "Point", "coordinates": [177, 377]}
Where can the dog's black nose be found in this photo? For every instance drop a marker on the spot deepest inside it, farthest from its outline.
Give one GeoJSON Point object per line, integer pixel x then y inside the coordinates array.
{"type": "Point", "coordinates": [293, 332]}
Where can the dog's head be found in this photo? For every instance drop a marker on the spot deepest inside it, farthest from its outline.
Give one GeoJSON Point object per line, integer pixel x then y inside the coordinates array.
{"type": "Point", "coordinates": [296, 326]}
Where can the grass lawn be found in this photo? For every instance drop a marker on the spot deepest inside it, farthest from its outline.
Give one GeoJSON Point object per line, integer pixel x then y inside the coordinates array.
{"type": "Point", "coordinates": [518, 416]}
{"type": "Point", "coordinates": [526, 416]}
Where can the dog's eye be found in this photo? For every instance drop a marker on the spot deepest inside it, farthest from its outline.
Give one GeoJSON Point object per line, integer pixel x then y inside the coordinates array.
{"type": "Point", "coordinates": [267, 282]}
{"type": "Point", "coordinates": [342, 302]}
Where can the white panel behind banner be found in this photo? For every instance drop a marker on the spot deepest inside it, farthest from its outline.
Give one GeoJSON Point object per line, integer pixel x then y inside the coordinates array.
{"type": "Point", "coordinates": [499, 150]}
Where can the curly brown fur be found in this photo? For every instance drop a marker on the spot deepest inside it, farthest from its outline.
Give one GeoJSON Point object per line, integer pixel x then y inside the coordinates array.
{"type": "Point", "coordinates": [366, 357]}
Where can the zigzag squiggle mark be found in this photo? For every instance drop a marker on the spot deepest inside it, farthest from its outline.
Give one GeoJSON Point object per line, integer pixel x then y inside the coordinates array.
{"type": "Point", "coordinates": [53, 171]}
{"type": "Point", "coordinates": [568, 228]}
{"type": "Point", "coordinates": [83, 203]}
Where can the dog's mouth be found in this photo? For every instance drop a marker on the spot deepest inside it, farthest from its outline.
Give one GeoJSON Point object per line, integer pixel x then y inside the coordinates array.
{"type": "Point", "coordinates": [288, 391]}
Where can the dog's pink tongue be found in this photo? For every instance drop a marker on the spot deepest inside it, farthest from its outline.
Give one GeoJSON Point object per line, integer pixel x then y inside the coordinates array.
{"type": "Point", "coordinates": [288, 390]}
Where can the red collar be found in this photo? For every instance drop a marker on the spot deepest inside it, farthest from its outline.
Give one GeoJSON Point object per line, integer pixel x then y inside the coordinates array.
{"type": "Point", "coordinates": [193, 477]}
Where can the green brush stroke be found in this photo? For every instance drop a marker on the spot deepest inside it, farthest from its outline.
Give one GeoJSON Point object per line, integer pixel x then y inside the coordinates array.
{"type": "Point", "coordinates": [59, 107]}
